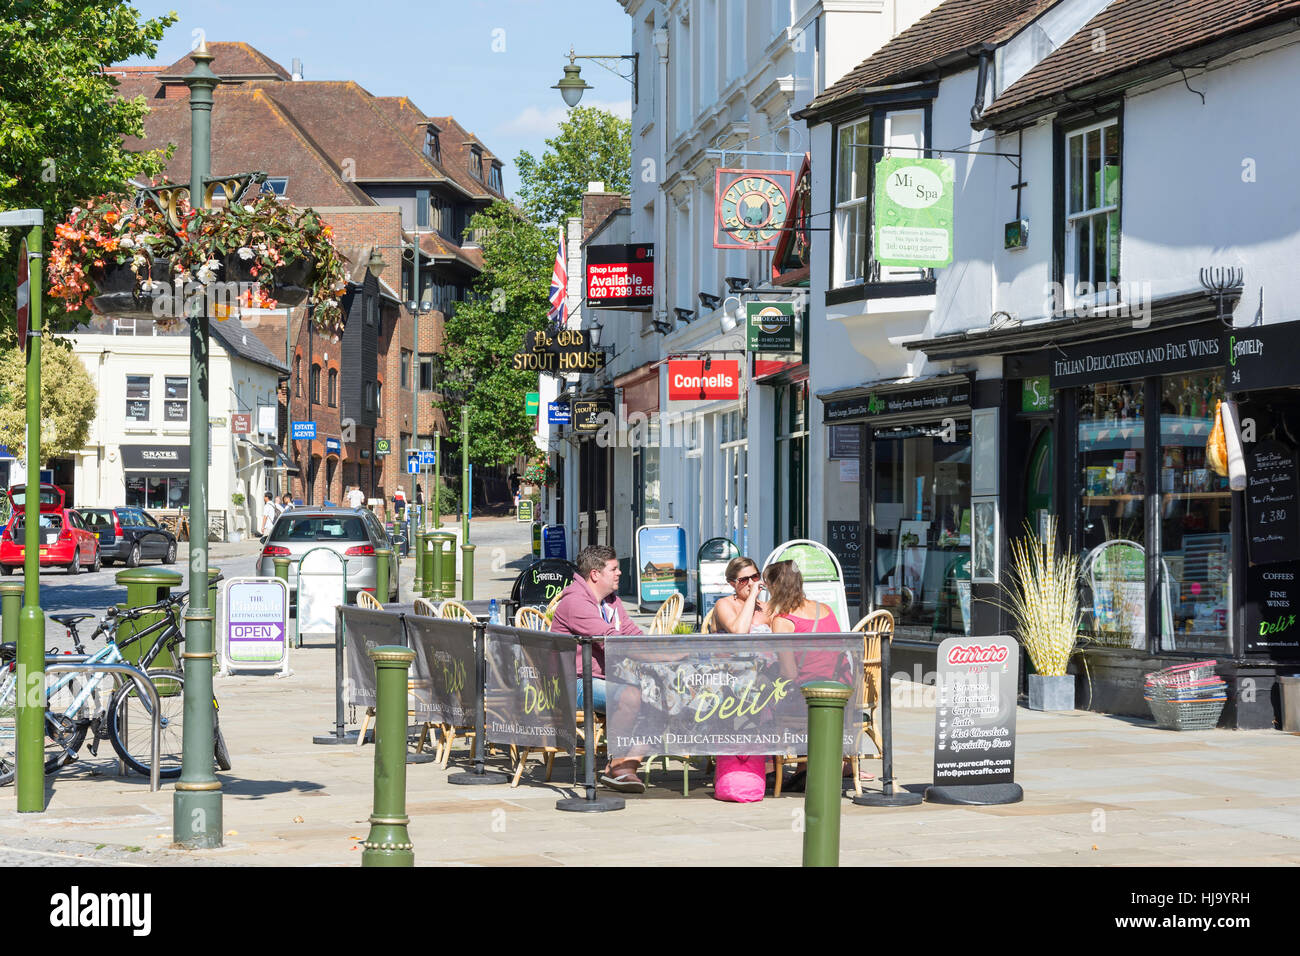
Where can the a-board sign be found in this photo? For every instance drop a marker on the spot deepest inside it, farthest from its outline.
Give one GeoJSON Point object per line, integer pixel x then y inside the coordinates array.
{"type": "Point", "coordinates": [844, 538]}
{"type": "Point", "coordinates": [254, 628]}
{"type": "Point", "coordinates": [554, 542]}
{"type": "Point", "coordinates": [1272, 515]}
{"type": "Point", "coordinates": [711, 561]}
{"type": "Point", "coordinates": [975, 711]}
{"type": "Point", "coordinates": [823, 578]}
{"type": "Point", "coordinates": [321, 589]}
{"type": "Point", "coordinates": [660, 562]}
{"type": "Point", "coordinates": [1273, 610]}
{"type": "Point", "coordinates": [525, 511]}
{"type": "Point", "coordinates": [539, 583]}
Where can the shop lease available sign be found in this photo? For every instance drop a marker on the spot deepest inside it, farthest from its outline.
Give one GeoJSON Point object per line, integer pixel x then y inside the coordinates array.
{"type": "Point", "coordinates": [621, 276]}
{"type": "Point", "coordinates": [689, 379]}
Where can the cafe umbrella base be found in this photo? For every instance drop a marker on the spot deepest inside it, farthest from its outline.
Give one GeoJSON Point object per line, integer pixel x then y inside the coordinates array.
{"type": "Point", "coordinates": [472, 779]}
{"type": "Point", "coordinates": [985, 795]}
{"type": "Point", "coordinates": [594, 805]}
{"type": "Point", "coordinates": [896, 798]}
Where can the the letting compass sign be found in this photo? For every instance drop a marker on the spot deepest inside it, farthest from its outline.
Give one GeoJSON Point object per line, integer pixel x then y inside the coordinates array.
{"type": "Point", "coordinates": [750, 207]}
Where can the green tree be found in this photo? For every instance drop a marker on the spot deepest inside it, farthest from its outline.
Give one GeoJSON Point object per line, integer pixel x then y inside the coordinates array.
{"type": "Point", "coordinates": [592, 146]}
{"type": "Point", "coordinates": [484, 333]}
{"type": "Point", "coordinates": [68, 399]}
{"type": "Point", "coordinates": [62, 124]}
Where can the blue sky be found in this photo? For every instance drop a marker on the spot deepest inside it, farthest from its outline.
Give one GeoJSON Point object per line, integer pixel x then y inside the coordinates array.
{"type": "Point", "coordinates": [440, 53]}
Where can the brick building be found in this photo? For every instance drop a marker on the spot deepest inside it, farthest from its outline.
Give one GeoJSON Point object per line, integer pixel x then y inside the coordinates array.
{"type": "Point", "coordinates": [384, 176]}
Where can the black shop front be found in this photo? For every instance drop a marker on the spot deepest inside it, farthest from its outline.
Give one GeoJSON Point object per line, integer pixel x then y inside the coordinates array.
{"type": "Point", "coordinates": [1106, 427]}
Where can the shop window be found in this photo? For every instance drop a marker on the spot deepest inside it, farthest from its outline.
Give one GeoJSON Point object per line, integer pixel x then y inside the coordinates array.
{"type": "Point", "coordinates": [1113, 476]}
{"type": "Point", "coordinates": [1195, 521]}
{"type": "Point", "coordinates": [921, 503]}
{"type": "Point", "coordinates": [137, 398]}
{"type": "Point", "coordinates": [791, 461]}
{"type": "Point", "coordinates": [177, 399]}
{"type": "Point", "coordinates": [157, 492]}
{"type": "Point", "coordinates": [1092, 213]}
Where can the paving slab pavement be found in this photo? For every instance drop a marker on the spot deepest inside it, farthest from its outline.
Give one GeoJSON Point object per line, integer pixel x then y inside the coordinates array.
{"type": "Point", "coordinates": [1098, 791]}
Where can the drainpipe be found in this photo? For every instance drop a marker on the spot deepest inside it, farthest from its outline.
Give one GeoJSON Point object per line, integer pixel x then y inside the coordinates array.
{"type": "Point", "coordinates": [981, 84]}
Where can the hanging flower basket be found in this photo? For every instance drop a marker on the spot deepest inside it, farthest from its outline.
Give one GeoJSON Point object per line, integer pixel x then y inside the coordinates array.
{"type": "Point", "coordinates": [111, 257]}
{"type": "Point", "coordinates": [289, 285]}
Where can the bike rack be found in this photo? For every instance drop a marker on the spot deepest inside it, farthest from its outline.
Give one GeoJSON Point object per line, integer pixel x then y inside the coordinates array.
{"type": "Point", "coordinates": [143, 683]}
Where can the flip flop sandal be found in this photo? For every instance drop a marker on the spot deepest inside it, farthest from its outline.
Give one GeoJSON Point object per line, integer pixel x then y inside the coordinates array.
{"type": "Point", "coordinates": [623, 783]}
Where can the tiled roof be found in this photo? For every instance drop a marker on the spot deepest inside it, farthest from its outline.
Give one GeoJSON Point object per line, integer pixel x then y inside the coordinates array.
{"type": "Point", "coordinates": [231, 60]}
{"type": "Point", "coordinates": [240, 341]}
{"type": "Point", "coordinates": [949, 29]}
{"type": "Point", "coordinates": [455, 141]}
{"type": "Point", "coordinates": [1136, 33]}
{"type": "Point", "coordinates": [250, 131]}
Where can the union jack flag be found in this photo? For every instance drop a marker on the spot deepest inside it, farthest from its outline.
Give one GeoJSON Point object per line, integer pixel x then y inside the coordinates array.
{"type": "Point", "coordinates": [559, 284]}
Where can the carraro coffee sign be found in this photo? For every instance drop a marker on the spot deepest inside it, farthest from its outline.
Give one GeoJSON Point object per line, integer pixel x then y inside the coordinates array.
{"type": "Point", "coordinates": [621, 276]}
{"type": "Point", "coordinates": [691, 380]}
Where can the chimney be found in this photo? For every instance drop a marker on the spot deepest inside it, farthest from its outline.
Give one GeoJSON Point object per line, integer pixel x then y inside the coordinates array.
{"type": "Point", "coordinates": [297, 68]}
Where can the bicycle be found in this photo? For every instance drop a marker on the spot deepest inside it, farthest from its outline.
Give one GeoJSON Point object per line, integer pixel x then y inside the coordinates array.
{"type": "Point", "coordinates": [67, 729]}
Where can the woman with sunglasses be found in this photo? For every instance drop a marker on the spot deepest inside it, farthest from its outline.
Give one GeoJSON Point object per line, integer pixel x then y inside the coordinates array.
{"type": "Point", "coordinates": [742, 612]}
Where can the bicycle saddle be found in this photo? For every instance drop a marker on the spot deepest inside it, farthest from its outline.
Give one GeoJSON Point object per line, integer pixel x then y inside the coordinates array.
{"type": "Point", "coordinates": [8, 651]}
{"type": "Point", "coordinates": [67, 620]}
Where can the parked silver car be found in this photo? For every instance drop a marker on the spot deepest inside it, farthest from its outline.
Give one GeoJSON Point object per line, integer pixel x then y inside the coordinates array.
{"type": "Point", "coordinates": [352, 533]}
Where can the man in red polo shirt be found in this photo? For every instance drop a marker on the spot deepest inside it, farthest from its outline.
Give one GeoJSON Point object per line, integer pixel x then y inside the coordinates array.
{"type": "Point", "coordinates": [590, 607]}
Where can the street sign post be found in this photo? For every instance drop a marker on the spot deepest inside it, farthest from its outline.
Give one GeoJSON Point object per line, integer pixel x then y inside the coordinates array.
{"type": "Point", "coordinates": [428, 457]}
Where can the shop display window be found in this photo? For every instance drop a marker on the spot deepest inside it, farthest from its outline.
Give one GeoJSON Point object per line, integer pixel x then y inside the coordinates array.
{"type": "Point", "coordinates": [922, 522]}
{"type": "Point", "coordinates": [1195, 520]}
{"type": "Point", "coordinates": [1112, 490]}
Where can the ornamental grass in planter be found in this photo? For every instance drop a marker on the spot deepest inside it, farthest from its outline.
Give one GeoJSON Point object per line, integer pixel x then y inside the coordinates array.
{"type": "Point", "coordinates": [1043, 599]}
{"type": "Point", "coordinates": [111, 257]}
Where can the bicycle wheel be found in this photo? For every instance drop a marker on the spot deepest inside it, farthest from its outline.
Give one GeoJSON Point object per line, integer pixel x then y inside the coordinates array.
{"type": "Point", "coordinates": [219, 750]}
{"type": "Point", "coordinates": [65, 731]}
{"type": "Point", "coordinates": [8, 726]}
{"type": "Point", "coordinates": [130, 727]}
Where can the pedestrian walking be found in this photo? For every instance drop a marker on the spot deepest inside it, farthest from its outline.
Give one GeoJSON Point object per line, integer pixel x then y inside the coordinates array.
{"type": "Point", "coordinates": [355, 498]}
{"type": "Point", "coordinates": [269, 513]}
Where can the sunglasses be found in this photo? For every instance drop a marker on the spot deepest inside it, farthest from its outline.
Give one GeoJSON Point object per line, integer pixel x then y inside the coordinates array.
{"type": "Point", "coordinates": [749, 577]}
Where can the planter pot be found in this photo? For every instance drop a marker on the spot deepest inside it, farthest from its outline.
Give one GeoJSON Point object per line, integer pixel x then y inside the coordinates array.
{"type": "Point", "coordinates": [118, 293]}
{"type": "Point", "coordinates": [1051, 693]}
{"type": "Point", "coordinates": [291, 283]}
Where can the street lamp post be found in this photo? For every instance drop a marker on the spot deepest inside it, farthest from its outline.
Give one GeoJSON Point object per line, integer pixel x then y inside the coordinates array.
{"type": "Point", "coordinates": [196, 807]}
{"type": "Point", "coordinates": [29, 729]}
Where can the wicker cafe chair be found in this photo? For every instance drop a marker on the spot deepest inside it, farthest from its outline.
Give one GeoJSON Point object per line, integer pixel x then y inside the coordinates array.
{"type": "Point", "coordinates": [425, 607]}
{"type": "Point", "coordinates": [668, 615]}
{"type": "Point", "coordinates": [709, 625]}
{"type": "Point", "coordinates": [368, 601]}
{"type": "Point", "coordinates": [532, 619]}
{"type": "Point", "coordinates": [875, 627]}
{"type": "Point", "coordinates": [452, 610]}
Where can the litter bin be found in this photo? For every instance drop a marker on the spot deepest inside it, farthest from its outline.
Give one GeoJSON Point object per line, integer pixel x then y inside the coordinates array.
{"type": "Point", "coordinates": [446, 543]}
{"type": "Point", "coordinates": [145, 586]}
{"type": "Point", "coordinates": [1290, 703]}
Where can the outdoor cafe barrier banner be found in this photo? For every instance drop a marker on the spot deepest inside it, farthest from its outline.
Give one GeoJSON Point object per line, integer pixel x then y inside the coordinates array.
{"type": "Point", "coordinates": [733, 694]}
{"type": "Point", "coordinates": [531, 688]}
{"type": "Point", "coordinates": [361, 630]}
{"type": "Point", "coordinates": [443, 678]}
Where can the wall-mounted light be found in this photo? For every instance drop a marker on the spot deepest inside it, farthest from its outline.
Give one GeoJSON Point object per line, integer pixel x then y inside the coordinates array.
{"type": "Point", "coordinates": [710, 302]}
{"type": "Point", "coordinates": [685, 315]}
{"type": "Point", "coordinates": [731, 314]}
{"type": "Point", "coordinates": [594, 333]}
{"type": "Point", "coordinates": [737, 284]}
{"type": "Point", "coordinates": [376, 263]}
{"type": "Point", "coordinates": [662, 326]}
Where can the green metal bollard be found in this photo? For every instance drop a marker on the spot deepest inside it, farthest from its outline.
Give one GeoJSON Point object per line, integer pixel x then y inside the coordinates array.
{"type": "Point", "coordinates": [467, 572]}
{"type": "Point", "coordinates": [389, 843]}
{"type": "Point", "coordinates": [383, 558]}
{"type": "Point", "coordinates": [11, 605]}
{"type": "Point", "coordinates": [145, 586]}
{"type": "Point", "coordinates": [417, 549]}
{"type": "Point", "coordinates": [537, 539]}
{"type": "Point", "coordinates": [435, 567]}
{"type": "Point", "coordinates": [281, 568]}
{"type": "Point", "coordinates": [821, 805]}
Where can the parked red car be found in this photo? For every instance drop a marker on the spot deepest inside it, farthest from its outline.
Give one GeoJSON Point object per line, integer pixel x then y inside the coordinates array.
{"type": "Point", "coordinates": [65, 541]}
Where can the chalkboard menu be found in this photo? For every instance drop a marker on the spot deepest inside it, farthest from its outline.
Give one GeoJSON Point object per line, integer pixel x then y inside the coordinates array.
{"type": "Point", "coordinates": [541, 581]}
{"type": "Point", "coordinates": [975, 712]}
{"type": "Point", "coordinates": [1272, 516]}
{"type": "Point", "coordinates": [844, 538]}
{"type": "Point", "coordinates": [1272, 609]}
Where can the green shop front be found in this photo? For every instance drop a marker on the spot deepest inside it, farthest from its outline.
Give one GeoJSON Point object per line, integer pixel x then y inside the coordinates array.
{"type": "Point", "coordinates": [1106, 427]}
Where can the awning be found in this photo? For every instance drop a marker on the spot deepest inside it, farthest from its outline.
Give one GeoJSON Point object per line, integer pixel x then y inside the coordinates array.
{"type": "Point", "coordinates": [640, 389]}
{"type": "Point", "coordinates": [274, 454]}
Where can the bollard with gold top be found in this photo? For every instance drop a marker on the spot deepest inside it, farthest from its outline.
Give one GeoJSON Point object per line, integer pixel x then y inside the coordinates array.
{"type": "Point", "coordinates": [388, 843]}
{"type": "Point", "coordinates": [821, 805]}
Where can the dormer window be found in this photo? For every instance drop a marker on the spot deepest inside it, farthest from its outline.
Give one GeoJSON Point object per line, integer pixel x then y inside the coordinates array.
{"type": "Point", "coordinates": [476, 163]}
{"type": "Point", "coordinates": [494, 182]}
{"type": "Point", "coordinates": [278, 185]}
{"type": "Point", "coordinates": [431, 147]}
